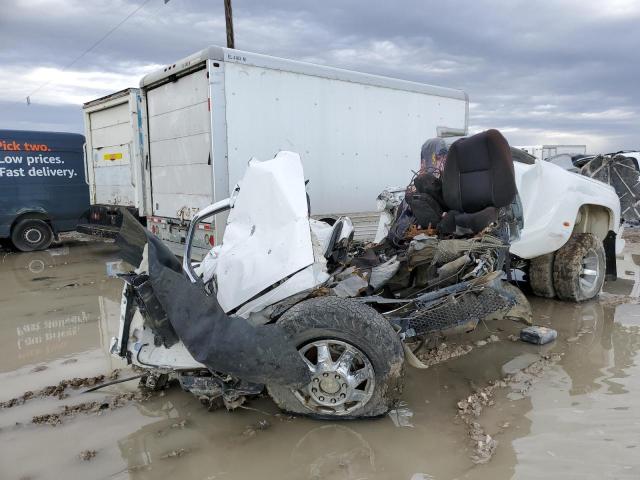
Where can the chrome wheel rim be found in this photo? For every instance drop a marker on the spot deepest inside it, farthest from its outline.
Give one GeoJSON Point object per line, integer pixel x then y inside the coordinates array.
{"type": "Point", "coordinates": [32, 235]}
{"type": "Point", "coordinates": [590, 271]}
{"type": "Point", "coordinates": [342, 378]}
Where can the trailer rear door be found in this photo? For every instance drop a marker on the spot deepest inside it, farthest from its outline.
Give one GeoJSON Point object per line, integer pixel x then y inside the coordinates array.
{"type": "Point", "coordinates": [179, 124]}
{"type": "Point", "coordinates": [110, 167]}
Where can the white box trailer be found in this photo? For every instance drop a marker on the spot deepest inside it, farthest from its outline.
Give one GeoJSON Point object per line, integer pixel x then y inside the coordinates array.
{"type": "Point", "coordinates": [211, 112]}
{"type": "Point", "coordinates": [542, 152]}
{"type": "Point", "coordinates": [114, 161]}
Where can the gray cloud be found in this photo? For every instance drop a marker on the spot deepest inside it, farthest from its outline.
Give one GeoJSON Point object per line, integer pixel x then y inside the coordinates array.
{"type": "Point", "coordinates": [554, 72]}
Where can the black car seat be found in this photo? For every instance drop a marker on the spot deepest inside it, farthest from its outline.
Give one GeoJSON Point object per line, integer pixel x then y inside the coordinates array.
{"type": "Point", "coordinates": [478, 179]}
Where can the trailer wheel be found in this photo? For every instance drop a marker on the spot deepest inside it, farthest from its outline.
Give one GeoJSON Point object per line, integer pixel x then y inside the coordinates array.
{"type": "Point", "coordinates": [31, 234]}
{"type": "Point", "coordinates": [541, 275]}
{"type": "Point", "coordinates": [355, 356]}
{"type": "Point", "coordinates": [579, 268]}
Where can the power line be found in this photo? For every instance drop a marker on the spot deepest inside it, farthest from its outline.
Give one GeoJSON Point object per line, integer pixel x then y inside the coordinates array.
{"type": "Point", "coordinates": [94, 45]}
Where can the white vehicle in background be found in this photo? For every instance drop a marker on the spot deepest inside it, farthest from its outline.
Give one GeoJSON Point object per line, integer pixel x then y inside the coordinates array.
{"type": "Point", "coordinates": [211, 112]}
{"type": "Point", "coordinates": [543, 152]}
{"type": "Point", "coordinates": [114, 161]}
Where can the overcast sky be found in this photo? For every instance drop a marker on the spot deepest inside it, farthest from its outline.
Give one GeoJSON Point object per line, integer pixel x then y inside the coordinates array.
{"type": "Point", "coordinates": [540, 71]}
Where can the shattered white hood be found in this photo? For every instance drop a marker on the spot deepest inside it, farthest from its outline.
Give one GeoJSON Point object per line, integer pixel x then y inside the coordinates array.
{"type": "Point", "coordinates": [267, 237]}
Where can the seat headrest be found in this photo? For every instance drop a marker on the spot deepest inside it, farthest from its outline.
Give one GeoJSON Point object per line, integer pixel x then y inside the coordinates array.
{"type": "Point", "coordinates": [479, 173]}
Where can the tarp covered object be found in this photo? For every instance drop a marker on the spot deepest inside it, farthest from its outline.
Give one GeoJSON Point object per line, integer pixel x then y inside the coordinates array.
{"type": "Point", "coordinates": [267, 237]}
{"type": "Point", "coordinates": [227, 344]}
{"type": "Point", "coordinates": [621, 172]}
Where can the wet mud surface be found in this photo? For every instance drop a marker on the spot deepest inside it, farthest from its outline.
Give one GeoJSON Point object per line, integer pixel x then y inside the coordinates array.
{"type": "Point", "coordinates": [488, 407]}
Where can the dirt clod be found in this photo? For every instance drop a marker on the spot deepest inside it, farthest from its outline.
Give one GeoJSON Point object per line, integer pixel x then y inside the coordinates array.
{"type": "Point", "coordinates": [87, 455]}
{"type": "Point", "coordinates": [179, 452]}
{"type": "Point", "coordinates": [470, 408]}
{"type": "Point", "coordinates": [60, 389]}
{"type": "Point", "coordinates": [442, 353]}
{"type": "Point", "coordinates": [485, 445]}
{"type": "Point", "coordinates": [254, 428]}
{"type": "Point", "coordinates": [474, 403]}
{"type": "Point", "coordinates": [95, 407]}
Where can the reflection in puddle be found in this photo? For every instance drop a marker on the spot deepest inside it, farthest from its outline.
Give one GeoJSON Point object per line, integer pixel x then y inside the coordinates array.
{"type": "Point", "coordinates": [52, 308]}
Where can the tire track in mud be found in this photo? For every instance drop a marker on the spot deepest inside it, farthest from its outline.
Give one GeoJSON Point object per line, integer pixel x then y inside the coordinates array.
{"type": "Point", "coordinates": [60, 390]}
{"type": "Point", "coordinates": [96, 407]}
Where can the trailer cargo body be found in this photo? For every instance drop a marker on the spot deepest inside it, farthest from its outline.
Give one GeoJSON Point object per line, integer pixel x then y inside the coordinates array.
{"type": "Point", "coordinates": [210, 113]}
{"type": "Point", "coordinates": [114, 159]}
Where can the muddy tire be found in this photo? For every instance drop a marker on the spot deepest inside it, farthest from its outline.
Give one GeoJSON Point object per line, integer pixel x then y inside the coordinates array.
{"type": "Point", "coordinates": [541, 275]}
{"type": "Point", "coordinates": [579, 268]}
{"type": "Point", "coordinates": [355, 356]}
{"type": "Point", "coordinates": [31, 234]}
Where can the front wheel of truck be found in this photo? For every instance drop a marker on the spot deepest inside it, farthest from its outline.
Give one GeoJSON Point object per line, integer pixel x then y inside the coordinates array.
{"type": "Point", "coordinates": [354, 355]}
{"type": "Point", "coordinates": [31, 234]}
{"type": "Point", "coordinates": [579, 268]}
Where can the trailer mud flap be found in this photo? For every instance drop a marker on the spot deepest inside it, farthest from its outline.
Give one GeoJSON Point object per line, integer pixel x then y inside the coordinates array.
{"type": "Point", "coordinates": [259, 354]}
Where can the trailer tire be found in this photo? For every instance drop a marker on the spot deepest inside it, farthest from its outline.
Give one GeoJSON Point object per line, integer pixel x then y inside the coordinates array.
{"type": "Point", "coordinates": [541, 275]}
{"type": "Point", "coordinates": [377, 355]}
{"type": "Point", "coordinates": [579, 268]}
{"type": "Point", "coordinates": [31, 234]}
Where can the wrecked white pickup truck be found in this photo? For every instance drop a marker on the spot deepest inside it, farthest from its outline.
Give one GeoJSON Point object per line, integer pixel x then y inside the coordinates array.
{"type": "Point", "coordinates": [293, 304]}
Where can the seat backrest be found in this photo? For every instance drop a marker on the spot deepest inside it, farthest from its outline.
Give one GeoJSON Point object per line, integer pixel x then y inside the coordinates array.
{"type": "Point", "coordinates": [479, 173]}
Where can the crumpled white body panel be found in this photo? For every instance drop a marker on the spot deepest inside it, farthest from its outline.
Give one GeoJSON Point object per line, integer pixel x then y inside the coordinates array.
{"type": "Point", "coordinates": [267, 237]}
{"type": "Point", "coordinates": [310, 277]}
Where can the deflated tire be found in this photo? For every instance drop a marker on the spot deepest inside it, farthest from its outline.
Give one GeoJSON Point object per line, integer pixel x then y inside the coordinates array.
{"type": "Point", "coordinates": [579, 268]}
{"type": "Point", "coordinates": [354, 355]}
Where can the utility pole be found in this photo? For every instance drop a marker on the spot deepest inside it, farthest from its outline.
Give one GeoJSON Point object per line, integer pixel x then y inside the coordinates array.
{"type": "Point", "coordinates": [228, 16]}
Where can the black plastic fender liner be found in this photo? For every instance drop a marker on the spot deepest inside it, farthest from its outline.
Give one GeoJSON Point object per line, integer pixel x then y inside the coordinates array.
{"type": "Point", "coordinates": [609, 244]}
{"type": "Point", "coordinates": [131, 239]}
{"type": "Point", "coordinates": [232, 345]}
{"type": "Point", "coordinates": [129, 293]}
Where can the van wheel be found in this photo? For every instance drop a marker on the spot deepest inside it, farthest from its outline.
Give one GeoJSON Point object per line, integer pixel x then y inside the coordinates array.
{"type": "Point", "coordinates": [579, 268]}
{"type": "Point", "coordinates": [31, 234]}
{"type": "Point", "coordinates": [541, 275]}
{"type": "Point", "coordinates": [354, 355]}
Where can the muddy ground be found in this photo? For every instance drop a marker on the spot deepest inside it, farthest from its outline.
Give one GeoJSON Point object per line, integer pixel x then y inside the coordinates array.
{"type": "Point", "coordinates": [488, 407]}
